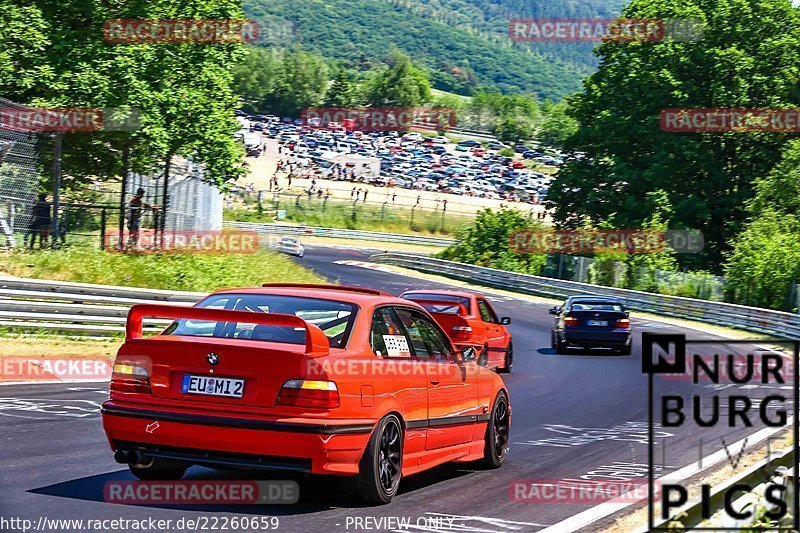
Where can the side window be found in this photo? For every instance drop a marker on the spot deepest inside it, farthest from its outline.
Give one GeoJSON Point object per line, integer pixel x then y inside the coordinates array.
{"type": "Point", "coordinates": [487, 313]}
{"type": "Point", "coordinates": [426, 339]}
{"type": "Point", "coordinates": [386, 335]}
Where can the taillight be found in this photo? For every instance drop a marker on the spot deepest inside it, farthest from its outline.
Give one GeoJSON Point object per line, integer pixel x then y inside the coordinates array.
{"type": "Point", "coordinates": [130, 377]}
{"type": "Point", "coordinates": [305, 393]}
{"type": "Point", "coordinates": [460, 332]}
{"type": "Point", "coordinates": [570, 321]}
{"type": "Point", "coordinates": [623, 323]}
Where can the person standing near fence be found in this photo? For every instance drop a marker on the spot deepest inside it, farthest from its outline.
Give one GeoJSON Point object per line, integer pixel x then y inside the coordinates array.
{"type": "Point", "coordinates": [40, 220]}
{"type": "Point", "coordinates": [137, 207]}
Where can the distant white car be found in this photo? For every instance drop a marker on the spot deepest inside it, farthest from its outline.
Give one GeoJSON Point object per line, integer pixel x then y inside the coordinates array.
{"type": "Point", "coordinates": [413, 136]}
{"type": "Point", "coordinates": [441, 140]}
{"type": "Point", "coordinates": [291, 246]}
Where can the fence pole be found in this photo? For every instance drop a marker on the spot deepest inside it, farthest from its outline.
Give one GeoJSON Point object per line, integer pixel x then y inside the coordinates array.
{"type": "Point", "coordinates": [123, 192]}
{"type": "Point", "coordinates": [103, 229]}
{"type": "Point", "coordinates": [57, 147]}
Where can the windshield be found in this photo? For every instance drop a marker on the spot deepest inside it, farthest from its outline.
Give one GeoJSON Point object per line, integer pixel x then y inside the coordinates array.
{"type": "Point", "coordinates": [335, 319]}
{"type": "Point", "coordinates": [440, 297]}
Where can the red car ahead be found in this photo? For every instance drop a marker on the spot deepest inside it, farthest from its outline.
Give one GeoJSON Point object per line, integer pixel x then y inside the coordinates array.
{"type": "Point", "coordinates": [470, 320]}
{"type": "Point", "coordinates": [311, 378]}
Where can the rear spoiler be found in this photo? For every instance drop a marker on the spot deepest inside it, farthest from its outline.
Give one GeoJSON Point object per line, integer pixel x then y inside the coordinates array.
{"type": "Point", "coordinates": [461, 309]}
{"type": "Point", "coordinates": [317, 343]}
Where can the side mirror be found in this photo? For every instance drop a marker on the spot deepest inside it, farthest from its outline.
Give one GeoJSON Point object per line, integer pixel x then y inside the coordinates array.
{"type": "Point", "coordinates": [468, 354]}
{"type": "Point", "coordinates": [505, 320]}
{"type": "Point", "coordinates": [553, 310]}
{"type": "Point", "coordinates": [627, 314]}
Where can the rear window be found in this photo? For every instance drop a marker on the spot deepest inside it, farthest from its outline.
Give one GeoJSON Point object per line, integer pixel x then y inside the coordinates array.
{"type": "Point", "coordinates": [444, 298]}
{"type": "Point", "coordinates": [597, 306]}
{"type": "Point", "coordinates": [446, 308]}
{"type": "Point", "coordinates": [334, 318]}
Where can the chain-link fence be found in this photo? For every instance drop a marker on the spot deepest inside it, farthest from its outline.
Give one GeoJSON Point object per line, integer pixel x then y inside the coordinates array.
{"type": "Point", "coordinates": [193, 204]}
{"type": "Point", "coordinates": [33, 218]}
{"type": "Point", "coordinates": [23, 159]}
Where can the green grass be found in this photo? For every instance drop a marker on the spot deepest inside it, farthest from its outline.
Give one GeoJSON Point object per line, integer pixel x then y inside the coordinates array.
{"type": "Point", "coordinates": [174, 271]}
{"type": "Point", "coordinates": [337, 214]}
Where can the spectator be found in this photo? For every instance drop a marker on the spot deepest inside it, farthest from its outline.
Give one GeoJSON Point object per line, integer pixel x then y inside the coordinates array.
{"type": "Point", "coordinates": [137, 206]}
{"type": "Point", "coordinates": [40, 220]}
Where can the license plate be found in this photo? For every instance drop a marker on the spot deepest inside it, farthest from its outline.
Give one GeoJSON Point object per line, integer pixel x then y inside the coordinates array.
{"type": "Point", "coordinates": [212, 386]}
{"type": "Point", "coordinates": [597, 322]}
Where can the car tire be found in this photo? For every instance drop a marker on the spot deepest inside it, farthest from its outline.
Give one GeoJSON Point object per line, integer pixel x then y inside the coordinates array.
{"type": "Point", "coordinates": [625, 350]}
{"type": "Point", "coordinates": [556, 344]}
{"type": "Point", "coordinates": [160, 470]}
{"type": "Point", "coordinates": [497, 432]}
{"type": "Point", "coordinates": [380, 469]}
{"type": "Point", "coordinates": [509, 362]}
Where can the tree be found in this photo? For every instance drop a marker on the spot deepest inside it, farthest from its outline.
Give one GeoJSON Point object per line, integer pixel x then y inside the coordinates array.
{"type": "Point", "coordinates": [486, 242]}
{"type": "Point", "coordinates": [341, 92]}
{"type": "Point", "coordinates": [765, 261]}
{"type": "Point", "coordinates": [514, 129]}
{"type": "Point", "coordinates": [557, 125]}
{"type": "Point", "coordinates": [765, 257]}
{"type": "Point", "coordinates": [401, 85]}
{"type": "Point", "coordinates": [24, 41]}
{"type": "Point", "coordinates": [746, 58]}
{"type": "Point", "coordinates": [255, 76]}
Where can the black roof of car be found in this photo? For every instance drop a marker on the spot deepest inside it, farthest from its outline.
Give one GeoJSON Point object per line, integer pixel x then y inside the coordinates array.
{"type": "Point", "coordinates": [609, 299]}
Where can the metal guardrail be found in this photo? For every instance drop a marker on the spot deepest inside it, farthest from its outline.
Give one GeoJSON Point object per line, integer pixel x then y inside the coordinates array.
{"type": "Point", "coordinates": [77, 308]}
{"type": "Point", "coordinates": [767, 321]}
{"type": "Point", "coordinates": [268, 228]}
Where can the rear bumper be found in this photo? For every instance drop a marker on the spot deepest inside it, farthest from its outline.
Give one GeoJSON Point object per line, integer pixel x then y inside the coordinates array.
{"type": "Point", "coordinates": [308, 445]}
{"type": "Point", "coordinates": [590, 338]}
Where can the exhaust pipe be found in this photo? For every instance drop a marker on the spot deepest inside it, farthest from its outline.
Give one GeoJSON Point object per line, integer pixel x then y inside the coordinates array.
{"type": "Point", "coordinates": [134, 457]}
{"type": "Point", "coordinates": [131, 457]}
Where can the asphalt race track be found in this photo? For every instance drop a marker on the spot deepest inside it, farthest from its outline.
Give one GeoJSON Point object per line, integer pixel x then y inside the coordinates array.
{"type": "Point", "coordinates": [572, 415]}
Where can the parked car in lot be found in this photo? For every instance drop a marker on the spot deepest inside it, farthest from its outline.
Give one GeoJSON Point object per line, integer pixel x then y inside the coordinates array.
{"type": "Point", "coordinates": [591, 322]}
{"type": "Point", "coordinates": [470, 143]}
{"type": "Point", "coordinates": [291, 246]}
{"type": "Point", "coordinates": [496, 145]}
{"type": "Point", "coordinates": [320, 379]}
{"type": "Point", "coordinates": [470, 320]}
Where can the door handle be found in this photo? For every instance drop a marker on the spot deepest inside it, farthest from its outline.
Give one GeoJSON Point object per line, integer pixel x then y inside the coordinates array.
{"type": "Point", "coordinates": [434, 381]}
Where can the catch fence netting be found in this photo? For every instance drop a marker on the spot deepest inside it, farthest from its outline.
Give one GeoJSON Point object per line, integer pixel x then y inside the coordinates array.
{"type": "Point", "coordinates": [24, 160]}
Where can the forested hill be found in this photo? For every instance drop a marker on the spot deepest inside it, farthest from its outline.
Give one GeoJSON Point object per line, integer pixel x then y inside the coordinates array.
{"type": "Point", "coordinates": [464, 43]}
